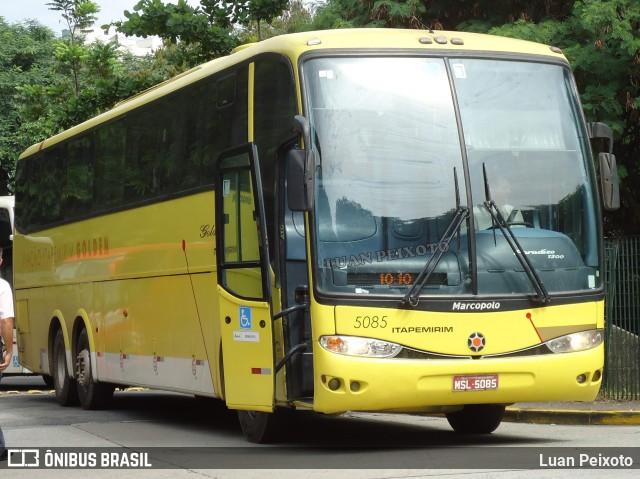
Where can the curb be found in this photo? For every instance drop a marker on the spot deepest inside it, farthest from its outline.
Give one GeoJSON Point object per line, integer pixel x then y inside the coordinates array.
{"type": "Point", "coordinates": [572, 417]}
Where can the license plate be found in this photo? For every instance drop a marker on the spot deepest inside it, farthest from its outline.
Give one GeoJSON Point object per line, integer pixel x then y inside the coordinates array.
{"type": "Point", "coordinates": [482, 382]}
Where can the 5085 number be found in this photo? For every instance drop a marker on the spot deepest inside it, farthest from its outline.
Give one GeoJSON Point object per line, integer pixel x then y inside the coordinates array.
{"type": "Point", "coordinates": [370, 322]}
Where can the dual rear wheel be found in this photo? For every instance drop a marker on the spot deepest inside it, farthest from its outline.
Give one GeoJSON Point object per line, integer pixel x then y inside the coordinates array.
{"type": "Point", "coordinates": [82, 389]}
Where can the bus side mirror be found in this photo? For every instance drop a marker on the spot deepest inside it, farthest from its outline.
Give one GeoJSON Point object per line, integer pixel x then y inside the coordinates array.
{"type": "Point", "coordinates": [609, 181]}
{"type": "Point", "coordinates": [300, 170]}
{"type": "Point", "coordinates": [295, 180]}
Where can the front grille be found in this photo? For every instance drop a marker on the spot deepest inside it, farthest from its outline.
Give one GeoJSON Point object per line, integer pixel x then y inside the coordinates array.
{"type": "Point", "coordinates": [409, 353]}
{"type": "Point", "coordinates": [538, 350]}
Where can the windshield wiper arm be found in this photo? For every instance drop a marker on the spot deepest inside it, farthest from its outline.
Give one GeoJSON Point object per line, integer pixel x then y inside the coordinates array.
{"type": "Point", "coordinates": [462, 213]}
{"type": "Point", "coordinates": [498, 219]}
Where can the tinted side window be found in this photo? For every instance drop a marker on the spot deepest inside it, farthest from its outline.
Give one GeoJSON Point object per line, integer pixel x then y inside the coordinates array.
{"type": "Point", "coordinates": [110, 166]}
{"type": "Point", "coordinates": [226, 115]}
{"type": "Point", "coordinates": [24, 193]}
{"type": "Point", "coordinates": [274, 108]}
{"type": "Point", "coordinates": [273, 111]}
{"type": "Point", "coordinates": [51, 181]}
{"type": "Point", "coordinates": [166, 147]}
{"type": "Point", "coordinates": [78, 191]}
{"type": "Point", "coordinates": [180, 161]}
{"type": "Point", "coordinates": [145, 130]}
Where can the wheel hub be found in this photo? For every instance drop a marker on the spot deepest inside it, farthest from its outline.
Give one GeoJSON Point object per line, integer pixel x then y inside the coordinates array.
{"type": "Point", "coordinates": [83, 364]}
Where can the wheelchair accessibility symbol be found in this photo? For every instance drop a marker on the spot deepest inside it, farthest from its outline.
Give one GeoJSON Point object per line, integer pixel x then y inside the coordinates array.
{"type": "Point", "coordinates": [245, 317]}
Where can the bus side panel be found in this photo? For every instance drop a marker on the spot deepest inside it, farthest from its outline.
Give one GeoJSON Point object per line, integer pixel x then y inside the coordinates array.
{"type": "Point", "coordinates": [208, 310]}
{"type": "Point", "coordinates": [152, 333]}
{"type": "Point", "coordinates": [32, 325]}
{"type": "Point", "coordinates": [145, 271]}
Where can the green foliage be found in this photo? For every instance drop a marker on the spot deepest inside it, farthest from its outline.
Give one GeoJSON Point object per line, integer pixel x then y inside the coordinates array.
{"type": "Point", "coordinates": [296, 18]}
{"type": "Point", "coordinates": [208, 26]}
{"type": "Point", "coordinates": [26, 57]}
{"type": "Point", "coordinates": [478, 15]}
{"type": "Point", "coordinates": [344, 14]}
{"type": "Point", "coordinates": [80, 15]}
{"type": "Point", "coordinates": [399, 14]}
{"type": "Point", "coordinates": [49, 84]}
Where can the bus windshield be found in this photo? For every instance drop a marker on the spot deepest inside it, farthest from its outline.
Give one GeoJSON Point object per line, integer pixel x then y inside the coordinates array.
{"type": "Point", "coordinates": [395, 135]}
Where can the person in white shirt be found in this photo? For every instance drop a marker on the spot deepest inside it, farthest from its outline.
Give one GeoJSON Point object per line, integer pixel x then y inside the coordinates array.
{"type": "Point", "coordinates": [6, 333]}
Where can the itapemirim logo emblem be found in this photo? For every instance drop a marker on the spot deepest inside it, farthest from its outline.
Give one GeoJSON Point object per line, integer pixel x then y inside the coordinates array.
{"type": "Point", "coordinates": [476, 342]}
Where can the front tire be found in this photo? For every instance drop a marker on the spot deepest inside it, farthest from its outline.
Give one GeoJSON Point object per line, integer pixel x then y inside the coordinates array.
{"type": "Point", "coordinates": [92, 395]}
{"type": "Point", "coordinates": [476, 418]}
{"type": "Point", "coordinates": [259, 427]}
{"type": "Point", "coordinates": [64, 386]}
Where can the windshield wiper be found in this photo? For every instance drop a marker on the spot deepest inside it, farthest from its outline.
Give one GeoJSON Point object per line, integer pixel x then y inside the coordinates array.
{"type": "Point", "coordinates": [498, 219]}
{"type": "Point", "coordinates": [462, 213]}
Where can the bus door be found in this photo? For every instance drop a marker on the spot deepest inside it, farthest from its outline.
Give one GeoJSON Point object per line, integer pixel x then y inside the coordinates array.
{"type": "Point", "coordinates": [244, 282]}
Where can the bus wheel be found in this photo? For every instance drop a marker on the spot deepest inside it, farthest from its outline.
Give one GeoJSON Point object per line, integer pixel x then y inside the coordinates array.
{"type": "Point", "coordinates": [64, 386]}
{"type": "Point", "coordinates": [476, 418]}
{"type": "Point", "coordinates": [92, 395]}
{"type": "Point", "coordinates": [48, 381]}
{"type": "Point", "coordinates": [259, 427]}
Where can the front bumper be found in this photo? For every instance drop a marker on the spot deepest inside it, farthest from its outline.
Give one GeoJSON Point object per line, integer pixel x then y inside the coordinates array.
{"type": "Point", "coordinates": [348, 383]}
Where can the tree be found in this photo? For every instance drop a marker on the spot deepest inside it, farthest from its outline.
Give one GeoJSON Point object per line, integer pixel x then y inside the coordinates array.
{"type": "Point", "coordinates": [206, 27]}
{"type": "Point", "coordinates": [259, 11]}
{"type": "Point", "coordinates": [80, 15]}
{"type": "Point", "coordinates": [297, 18]}
{"type": "Point", "coordinates": [106, 76]}
{"type": "Point", "coordinates": [26, 56]}
{"type": "Point", "coordinates": [209, 26]}
{"type": "Point", "coordinates": [437, 14]}
{"type": "Point", "coordinates": [43, 96]}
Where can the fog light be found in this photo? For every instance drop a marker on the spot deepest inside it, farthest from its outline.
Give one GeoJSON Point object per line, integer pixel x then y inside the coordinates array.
{"type": "Point", "coordinates": [596, 376]}
{"type": "Point", "coordinates": [354, 386]}
{"type": "Point", "coordinates": [581, 378]}
{"type": "Point", "coordinates": [334, 384]}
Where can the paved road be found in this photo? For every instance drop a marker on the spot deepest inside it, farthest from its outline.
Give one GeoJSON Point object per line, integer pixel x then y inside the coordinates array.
{"type": "Point", "coordinates": [173, 430]}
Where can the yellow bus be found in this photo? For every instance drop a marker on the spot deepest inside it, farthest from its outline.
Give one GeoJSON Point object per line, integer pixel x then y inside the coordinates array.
{"type": "Point", "coordinates": [353, 220]}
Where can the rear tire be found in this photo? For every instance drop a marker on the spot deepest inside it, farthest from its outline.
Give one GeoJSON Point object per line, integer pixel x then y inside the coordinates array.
{"type": "Point", "coordinates": [64, 386]}
{"type": "Point", "coordinates": [48, 381]}
{"type": "Point", "coordinates": [259, 427]}
{"type": "Point", "coordinates": [476, 418]}
{"type": "Point", "coordinates": [92, 395]}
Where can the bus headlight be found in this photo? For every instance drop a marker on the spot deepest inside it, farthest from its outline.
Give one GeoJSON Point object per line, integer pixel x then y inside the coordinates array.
{"type": "Point", "coordinates": [577, 341]}
{"type": "Point", "coordinates": [357, 346]}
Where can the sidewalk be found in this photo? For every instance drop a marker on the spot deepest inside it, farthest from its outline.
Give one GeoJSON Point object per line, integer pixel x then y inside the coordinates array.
{"type": "Point", "coordinates": [599, 412]}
